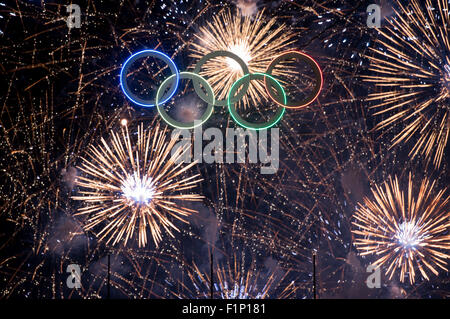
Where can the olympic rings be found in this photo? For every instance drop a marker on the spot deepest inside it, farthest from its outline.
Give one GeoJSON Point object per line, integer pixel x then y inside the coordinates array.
{"type": "Point", "coordinates": [206, 114]}
{"type": "Point", "coordinates": [278, 95]}
{"type": "Point", "coordinates": [256, 126]}
{"type": "Point", "coordinates": [129, 62]}
{"type": "Point", "coordinates": [317, 72]}
{"type": "Point", "coordinates": [215, 54]}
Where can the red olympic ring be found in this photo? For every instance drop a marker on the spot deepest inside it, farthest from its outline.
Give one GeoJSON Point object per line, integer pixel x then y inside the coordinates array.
{"type": "Point", "coordinates": [317, 71]}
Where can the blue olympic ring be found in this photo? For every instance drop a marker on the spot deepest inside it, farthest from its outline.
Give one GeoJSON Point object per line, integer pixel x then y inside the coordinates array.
{"type": "Point", "coordinates": [141, 54]}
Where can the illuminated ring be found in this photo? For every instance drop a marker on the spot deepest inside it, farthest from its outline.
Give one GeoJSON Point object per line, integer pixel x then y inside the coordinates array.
{"type": "Point", "coordinates": [183, 125]}
{"type": "Point", "coordinates": [215, 54]}
{"type": "Point", "coordinates": [256, 126]}
{"type": "Point", "coordinates": [156, 54]}
{"type": "Point", "coordinates": [317, 72]}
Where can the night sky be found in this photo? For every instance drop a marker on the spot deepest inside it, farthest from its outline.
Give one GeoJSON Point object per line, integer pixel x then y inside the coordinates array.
{"type": "Point", "coordinates": [60, 94]}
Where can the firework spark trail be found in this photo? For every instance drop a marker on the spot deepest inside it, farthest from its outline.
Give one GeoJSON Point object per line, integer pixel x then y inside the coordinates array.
{"type": "Point", "coordinates": [405, 230]}
{"type": "Point", "coordinates": [410, 62]}
{"type": "Point", "coordinates": [129, 184]}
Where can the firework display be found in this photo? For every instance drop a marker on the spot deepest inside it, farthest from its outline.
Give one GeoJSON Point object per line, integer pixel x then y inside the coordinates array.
{"type": "Point", "coordinates": [133, 185]}
{"type": "Point", "coordinates": [409, 65]}
{"type": "Point", "coordinates": [252, 39]}
{"type": "Point", "coordinates": [405, 229]}
{"type": "Point", "coordinates": [238, 149]}
{"type": "Point", "coordinates": [235, 281]}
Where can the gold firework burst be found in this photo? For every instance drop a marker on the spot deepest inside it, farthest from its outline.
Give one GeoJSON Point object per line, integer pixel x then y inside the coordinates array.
{"type": "Point", "coordinates": [405, 230]}
{"type": "Point", "coordinates": [257, 41]}
{"type": "Point", "coordinates": [131, 184]}
{"type": "Point", "coordinates": [232, 280]}
{"type": "Point", "coordinates": [411, 62]}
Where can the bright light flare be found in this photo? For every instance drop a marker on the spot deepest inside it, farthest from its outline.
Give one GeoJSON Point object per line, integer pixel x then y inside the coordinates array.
{"type": "Point", "coordinates": [241, 50]}
{"type": "Point", "coordinates": [137, 189]}
{"type": "Point", "coordinates": [409, 235]}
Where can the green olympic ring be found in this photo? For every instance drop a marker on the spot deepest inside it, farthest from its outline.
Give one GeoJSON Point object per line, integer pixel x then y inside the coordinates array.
{"type": "Point", "coordinates": [183, 125]}
{"type": "Point", "coordinates": [256, 126]}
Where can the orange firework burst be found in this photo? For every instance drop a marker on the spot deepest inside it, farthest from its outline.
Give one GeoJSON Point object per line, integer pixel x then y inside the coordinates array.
{"type": "Point", "coordinates": [257, 41]}
{"type": "Point", "coordinates": [135, 184]}
{"type": "Point", "coordinates": [405, 231]}
{"type": "Point", "coordinates": [411, 62]}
